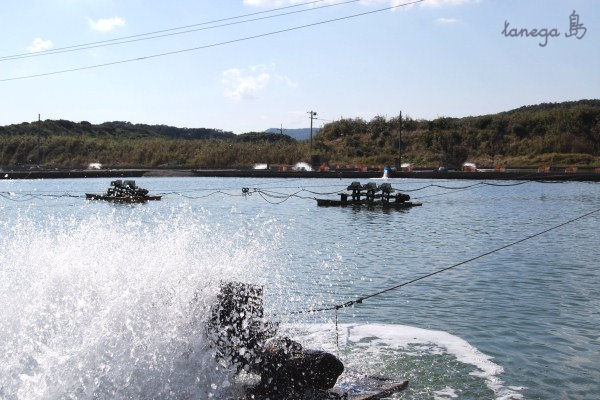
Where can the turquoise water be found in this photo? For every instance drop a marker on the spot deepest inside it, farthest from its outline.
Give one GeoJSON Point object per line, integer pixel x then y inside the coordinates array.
{"type": "Point", "coordinates": [96, 297]}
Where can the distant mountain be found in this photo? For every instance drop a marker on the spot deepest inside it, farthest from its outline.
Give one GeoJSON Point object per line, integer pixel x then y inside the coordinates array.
{"type": "Point", "coordinates": [298, 134]}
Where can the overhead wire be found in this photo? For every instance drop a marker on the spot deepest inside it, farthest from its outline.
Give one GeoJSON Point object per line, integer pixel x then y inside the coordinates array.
{"type": "Point", "coordinates": [146, 37]}
{"type": "Point", "coordinates": [223, 43]}
{"type": "Point", "coordinates": [49, 51]}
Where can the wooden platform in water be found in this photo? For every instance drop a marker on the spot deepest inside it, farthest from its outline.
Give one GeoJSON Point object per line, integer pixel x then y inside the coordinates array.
{"type": "Point", "coordinates": [364, 203]}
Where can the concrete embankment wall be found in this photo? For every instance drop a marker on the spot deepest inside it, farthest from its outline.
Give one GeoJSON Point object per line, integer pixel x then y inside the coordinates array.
{"type": "Point", "coordinates": [138, 173]}
{"type": "Point", "coordinates": [512, 175]}
{"type": "Point", "coordinates": [71, 174]}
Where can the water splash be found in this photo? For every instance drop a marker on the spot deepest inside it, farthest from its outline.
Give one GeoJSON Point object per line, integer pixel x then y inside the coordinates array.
{"type": "Point", "coordinates": [103, 308]}
{"type": "Point", "coordinates": [99, 304]}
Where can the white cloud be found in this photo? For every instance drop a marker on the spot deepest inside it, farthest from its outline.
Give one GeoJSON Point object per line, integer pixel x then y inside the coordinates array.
{"type": "Point", "coordinates": [446, 21]}
{"type": "Point", "coordinates": [240, 84]}
{"type": "Point", "coordinates": [40, 44]}
{"type": "Point", "coordinates": [106, 24]}
{"type": "Point", "coordinates": [288, 81]}
{"type": "Point", "coordinates": [246, 83]}
{"type": "Point", "coordinates": [260, 67]}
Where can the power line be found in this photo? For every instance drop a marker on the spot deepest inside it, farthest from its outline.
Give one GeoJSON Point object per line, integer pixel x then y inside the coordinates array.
{"type": "Point", "coordinates": [359, 300]}
{"type": "Point", "coordinates": [165, 30]}
{"type": "Point", "coordinates": [227, 42]}
{"type": "Point", "coordinates": [115, 42]}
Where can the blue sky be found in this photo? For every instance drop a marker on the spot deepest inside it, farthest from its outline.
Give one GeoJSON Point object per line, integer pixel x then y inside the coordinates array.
{"type": "Point", "coordinates": [440, 58]}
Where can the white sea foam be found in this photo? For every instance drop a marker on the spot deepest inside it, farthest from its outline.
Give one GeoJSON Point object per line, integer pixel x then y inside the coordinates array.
{"type": "Point", "coordinates": [370, 339]}
{"type": "Point", "coordinates": [445, 394]}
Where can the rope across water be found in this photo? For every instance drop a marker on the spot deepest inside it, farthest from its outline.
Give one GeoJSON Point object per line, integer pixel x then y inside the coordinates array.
{"type": "Point", "coordinates": [267, 193]}
{"type": "Point", "coordinates": [361, 299]}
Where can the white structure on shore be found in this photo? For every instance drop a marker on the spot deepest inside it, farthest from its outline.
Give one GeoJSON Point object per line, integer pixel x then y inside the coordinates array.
{"type": "Point", "coordinates": [302, 166]}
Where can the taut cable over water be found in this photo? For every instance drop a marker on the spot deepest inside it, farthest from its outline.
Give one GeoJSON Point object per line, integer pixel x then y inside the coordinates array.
{"type": "Point", "coordinates": [361, 299]}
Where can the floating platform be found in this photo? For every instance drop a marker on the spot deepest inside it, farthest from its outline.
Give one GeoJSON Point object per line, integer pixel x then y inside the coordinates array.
{"type": "Point", "coordinates": [364, 203]}
{"type": "Point", "coordinates": [123, 192]}
{"type": "Point", "coordinates": [371, 196]}
{"type": "Point", "coordinates": [124, 199]}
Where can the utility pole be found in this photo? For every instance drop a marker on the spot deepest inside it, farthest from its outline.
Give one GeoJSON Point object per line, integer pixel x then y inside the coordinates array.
{"type": "Point", "coordinates": [399, 163]}
{"type": "Point", "coordinates": [281, 129]}
{"type": "Point", "coordinates": [312, 116]}
{"type": "Point", "coordinates": [39, 126]}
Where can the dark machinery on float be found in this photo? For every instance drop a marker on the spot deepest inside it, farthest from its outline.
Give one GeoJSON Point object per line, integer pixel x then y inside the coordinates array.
{"type": "Point", "coordinates": [123, 192]}
{"type": "Point", "coordinates": [370, 195]}
{"type": "Point", "coordinates": [244, 340]}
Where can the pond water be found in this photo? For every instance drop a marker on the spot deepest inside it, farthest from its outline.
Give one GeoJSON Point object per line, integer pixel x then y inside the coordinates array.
{"type": "Point", "coordinates": [96, 297]}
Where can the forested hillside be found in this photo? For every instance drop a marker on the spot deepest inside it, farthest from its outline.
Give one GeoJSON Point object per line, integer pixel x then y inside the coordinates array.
{"type": "Point", "coordinates": [558, 134]}
{"type": "Point", "coordinates": [116, 129]}
{"type": "Point", "coordinates": [566, 133]}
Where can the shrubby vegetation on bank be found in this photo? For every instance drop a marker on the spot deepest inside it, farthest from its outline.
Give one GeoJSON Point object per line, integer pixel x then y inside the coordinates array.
{"type": "Point", "coordinates": [558, 134]}
{"type": "Point", "coordinates": [76, 151]}
{"type": "Point", "coordinates": [547, 133]}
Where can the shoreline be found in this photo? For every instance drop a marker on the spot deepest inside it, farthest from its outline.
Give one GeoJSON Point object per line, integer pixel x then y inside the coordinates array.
{"type": "Point", "coordinates": [252, 173]}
